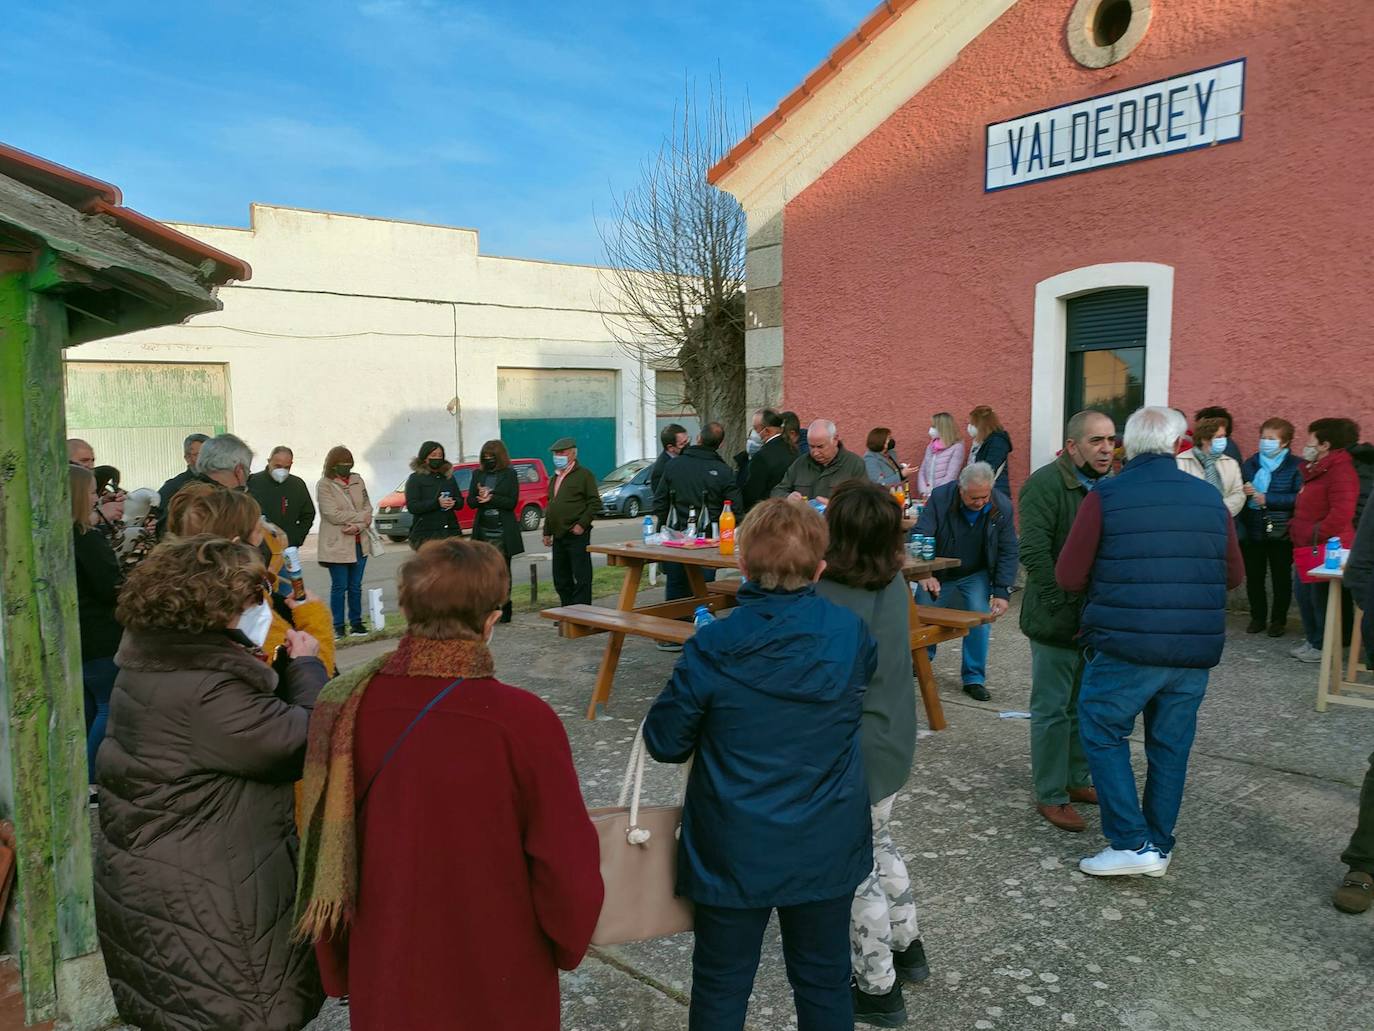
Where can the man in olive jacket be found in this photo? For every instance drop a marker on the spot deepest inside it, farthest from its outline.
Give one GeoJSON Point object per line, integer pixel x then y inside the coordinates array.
{"type": "Point", "coordinates": [825, 465]}
{"type": "Point", "coordinates": [573, 503]}
{"type": "Point", "coordinates": [1049, 502]}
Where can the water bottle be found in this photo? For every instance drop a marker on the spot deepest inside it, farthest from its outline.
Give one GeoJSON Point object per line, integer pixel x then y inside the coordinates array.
{"type": "Point", "coordinates": [692, 525]}
{"type": "Point", "coordinates": [1333, 553]}
{"type": "Point", "coordinates": [702, 617]}
{"type": "Point", "coordinates": [648, 528]}
{"type": "Point", "coordinates": [292, 559]}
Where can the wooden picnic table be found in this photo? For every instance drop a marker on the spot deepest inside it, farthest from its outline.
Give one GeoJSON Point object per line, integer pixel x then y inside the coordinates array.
{"type": "Point", "coordinates": [663, 621]}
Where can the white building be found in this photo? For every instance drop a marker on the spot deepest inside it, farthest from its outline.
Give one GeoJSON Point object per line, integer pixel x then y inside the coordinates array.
{"type": "Point", "coordinates": [377, 335]}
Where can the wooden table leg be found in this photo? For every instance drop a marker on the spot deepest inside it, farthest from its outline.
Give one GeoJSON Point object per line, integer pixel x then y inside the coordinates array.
{"type": "Point", "coordinates": [925, 676]}
{"type": "Point", "coordinates": [1329, 675]}
{"type": "Point", "coordinates": [696, 582]}
{"type": "Point", "coordinates": [605, 676]}
{"type": "Point", "coordinates": [1356, 663]}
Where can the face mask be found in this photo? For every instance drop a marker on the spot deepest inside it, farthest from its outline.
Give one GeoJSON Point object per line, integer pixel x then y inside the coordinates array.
{"type": "Point", "coordinates": [1218, 445]}
{"type": "Point", "coordinates": [437, 463]}
{"type": "Point", "coordinates": [1270, 447]}
{"type": "Point", "coordinates": [255, 622]}
{"type": "Point", "coordinates": [1309, 453]}
{"type": "Point", "coordinates": [934, 433]}
{"type": "Point", "coordinates": [488, 464]}
{"type": "Point", "coordinates": [1087, 470]}
{"type": "Point", "coordinates": [342, 471]}
{"type": "Point", "coordinates": [560, 461]}
{"type": "Point", "coordinates": [280, 474]}
{"type": "Point", "coordinates": [752, 445]}
{"type": "Point", "coordinates": [972, 430]}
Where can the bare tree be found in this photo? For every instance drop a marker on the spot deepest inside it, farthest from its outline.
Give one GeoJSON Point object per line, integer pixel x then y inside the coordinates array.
{"type": "Point", "coordinates": [675, 250]}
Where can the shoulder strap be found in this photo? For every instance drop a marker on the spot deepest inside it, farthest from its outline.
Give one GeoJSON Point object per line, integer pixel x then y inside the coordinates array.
{"type": "Point", "coordinates": [401, 737]}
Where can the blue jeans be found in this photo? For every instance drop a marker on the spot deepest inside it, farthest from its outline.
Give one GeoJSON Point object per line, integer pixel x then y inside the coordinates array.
{"type": "Point", "coordinates": [346, 586]}
{"type": "Point", "coordinates": [1312, 608]}
{"type": "Point", "coordinates": [972, 593]}
{"type": "Point", "coordinates": [1113, 694]}
{"type": "Point", "coordinates": [677, 586]}
{"type": "Point", "coordinates": [815, 946]}
{"type": "Point", "coordinates": [97, 681]}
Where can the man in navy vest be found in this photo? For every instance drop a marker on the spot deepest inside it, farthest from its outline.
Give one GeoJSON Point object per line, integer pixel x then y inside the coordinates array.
{"type": "Point", "coordinates": [1155, 553]}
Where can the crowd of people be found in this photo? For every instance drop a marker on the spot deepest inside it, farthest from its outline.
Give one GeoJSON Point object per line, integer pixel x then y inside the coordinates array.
{"type": "Point", "coordinates": [254, 805]}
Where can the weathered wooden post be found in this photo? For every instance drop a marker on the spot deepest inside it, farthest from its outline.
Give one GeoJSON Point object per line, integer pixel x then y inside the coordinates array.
{"type": "Point", "coordinates": [74, 266]}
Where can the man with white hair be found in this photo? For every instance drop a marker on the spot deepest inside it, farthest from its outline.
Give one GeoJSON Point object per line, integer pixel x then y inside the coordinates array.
{"type": "Point", "coordinates": [1155, 551]}
{"type": "Point", "coordinates": [972, 521]}
{"type": "Point", "coordinates": [225, 460]}
{"type": "Point", "coordinates": [826, 464]}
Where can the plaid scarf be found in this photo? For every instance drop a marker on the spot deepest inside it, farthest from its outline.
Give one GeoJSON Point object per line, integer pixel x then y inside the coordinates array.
{"type": "Point", "coordinates": [327, 888]}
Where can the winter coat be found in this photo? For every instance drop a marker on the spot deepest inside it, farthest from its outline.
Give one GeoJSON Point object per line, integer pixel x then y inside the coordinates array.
{"type": "Point", "coordinates": [505, 498]}
{"type": "Point", "coordinates": [1000, 553]}
{"type": "Point", "coordinates": [882, 469]}
{"type": "Point", "coordinates": [195, 871]}
{"type": "Point", "coordinates": [1279, 500]}
{"type": "Point", "coordinates": [939, 467]}
{"type": "Point", "coordinates": [1359, 567]}
{"type": "Point", "coordinates": [574, 502]}
{"type": "Point", "coordinates": [697, 480]}
{"type": "Point", "coordinates": [286, 505]}
{"type": "Point", "coordinates": [1325, 508]}
{"type": "Point", "coordinates": [771, 702]}
{"type": "Point", "coordinates": [1232, 485]}
{"type": "Point", "coordinates": [1363, 454]}
{"type": "Point", "coordinates": [811, 480]}
{"type": "Point", "coordinates": [430, 520]}
{"type": "Point", "coordinates": [656, 473]}
{"type": "Point", "coordinates": [1048, 504]}
{"type": "Point", "coordinates": [340, 506]}
{"type": "Point", "coordinates": [98, 578]}
{"type": "Point", "coordinates": [889, 722]}
{"type": "Point", "coordinates": [996, 452]}
{"type": "Point", "coordinates": [768, 466]}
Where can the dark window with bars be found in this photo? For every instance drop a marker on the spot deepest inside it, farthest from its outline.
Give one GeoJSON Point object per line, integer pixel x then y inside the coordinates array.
{"type": "Point", "coordinates": [1106, 352]}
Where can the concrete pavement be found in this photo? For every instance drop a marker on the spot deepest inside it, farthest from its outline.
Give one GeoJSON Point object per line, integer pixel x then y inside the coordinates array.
{"type": "Point", "coordinates": [1240, 936]}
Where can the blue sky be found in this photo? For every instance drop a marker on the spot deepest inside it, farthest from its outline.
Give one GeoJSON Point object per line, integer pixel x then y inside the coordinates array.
{"type": "Point", "coordinates": [520, 120]}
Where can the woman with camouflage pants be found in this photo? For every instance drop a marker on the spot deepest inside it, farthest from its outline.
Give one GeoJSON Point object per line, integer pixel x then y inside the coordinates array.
{"type": "Point", "coordinates": [863, 573]}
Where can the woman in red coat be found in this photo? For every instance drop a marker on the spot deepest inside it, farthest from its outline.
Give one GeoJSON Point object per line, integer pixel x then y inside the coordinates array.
{"type": "Point", "coordinates": [471, 873]}
{"type": "Point", "coordinates": [1325, 508]}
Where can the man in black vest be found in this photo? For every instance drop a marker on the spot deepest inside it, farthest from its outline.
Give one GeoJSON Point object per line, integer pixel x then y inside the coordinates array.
{"type": "Point", "coordinates": [1155, 551]}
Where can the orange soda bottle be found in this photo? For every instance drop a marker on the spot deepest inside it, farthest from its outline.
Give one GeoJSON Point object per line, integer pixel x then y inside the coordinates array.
{"type": "Point", "coordinates": [727, 531]}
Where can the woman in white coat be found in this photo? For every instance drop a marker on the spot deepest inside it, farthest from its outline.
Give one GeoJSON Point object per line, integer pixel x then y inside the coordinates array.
{"type": "Point", "coordinates": [344, 543]}
{"type": "Point", "coordinates": [1207, 460]}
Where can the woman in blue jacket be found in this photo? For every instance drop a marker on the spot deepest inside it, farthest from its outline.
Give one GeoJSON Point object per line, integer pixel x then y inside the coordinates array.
{"type": "Point", "coordinates": [1273, 478]}
{"type": "Point", "coordinates": [776, 816]}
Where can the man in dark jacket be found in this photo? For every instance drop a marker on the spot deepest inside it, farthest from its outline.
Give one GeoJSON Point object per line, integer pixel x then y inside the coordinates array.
{"type": "Point", "coordinates": [1049, 617]}
{"type": "Point", "coordinates": [283, 498]}
{"type": "Point", "coordinates": [190, 451]}
{"type": "Point", "coordinates": [769, 464]}
{"type": "Point", "coordinates": [673, 438]}
{"type": "Point", "coordinates": [1356, 891]}
{"type": "Point", "coordinates": [973, 522]}
{"type": "Point", "coordinates": [1155, 550]}
{"type": "Point", "coordinates": [824, 465]}
{"type": "Point", "coordinates": [573, 504]}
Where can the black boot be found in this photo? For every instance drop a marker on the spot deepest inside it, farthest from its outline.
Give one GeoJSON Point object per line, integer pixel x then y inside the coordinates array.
{"type": "Point", "coordinates": [505, 613]}
{"type": "Point", "coordinates": [911, 962]}
{"type": "Point", "coordinates": [887, 1010]}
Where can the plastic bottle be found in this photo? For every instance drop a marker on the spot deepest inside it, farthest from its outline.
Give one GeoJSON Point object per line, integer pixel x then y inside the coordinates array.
{"type": "Point", "coordinates": [648, 528]}
{"type": "Point", "coordinates": [292, 559]}
{"type": "Point", "coordinates": [727, 530]}
{"type": "Point", "coordinates": [1333, 553]}
{"type": "Point", "coordinates": [702, 617]}
{"type": "Point", "coordinates": [691, 532]}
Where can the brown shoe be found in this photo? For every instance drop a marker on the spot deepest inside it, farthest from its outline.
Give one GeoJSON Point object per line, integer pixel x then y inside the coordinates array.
{"type": "Point", "coordinates": [1355, 893]}
{"type": "Point", "coordinates": [1065, 817]}
{"type": "Point", "coordinates": [1083, 796]}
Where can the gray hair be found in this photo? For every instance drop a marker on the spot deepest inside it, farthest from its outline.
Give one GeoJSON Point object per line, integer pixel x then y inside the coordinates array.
{"type": "Point", "coordinates": [223, 454]}
{"type": "Point", "coordinates": [976, 472]}
{"type": "Point", "coordinates": [824, 426]}
{"type": "Point", "coordinates": [194, 438]}
{"type": "Point", "coordinates": [1077, 427]}
{"type": "Point", "coordinates": [1153, 431]}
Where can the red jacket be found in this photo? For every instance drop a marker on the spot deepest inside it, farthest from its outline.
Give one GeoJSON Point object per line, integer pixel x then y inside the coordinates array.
{"type": "Point", "coordinates": [480, 870]}
{"type": "Point", "coordinates": [1325, 508]}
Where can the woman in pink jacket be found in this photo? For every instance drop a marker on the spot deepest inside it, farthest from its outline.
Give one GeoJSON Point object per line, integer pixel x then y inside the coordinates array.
{"type": "Point", "coordinates": [944, 455]}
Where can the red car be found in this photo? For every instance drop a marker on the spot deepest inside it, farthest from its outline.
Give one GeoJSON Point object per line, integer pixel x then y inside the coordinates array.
{"type": "Point", "coordinates": [393, 521]}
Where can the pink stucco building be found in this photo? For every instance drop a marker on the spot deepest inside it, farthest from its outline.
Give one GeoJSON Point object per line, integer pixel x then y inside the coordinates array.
{"type": "Point", "coordinates": [1043, 205]}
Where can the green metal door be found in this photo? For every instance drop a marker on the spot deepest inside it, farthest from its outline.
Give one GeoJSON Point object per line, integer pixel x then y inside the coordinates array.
{"type": "Point", "coordinates": [136, 414]}
{"type": "Point", "coordinates": [537, 406]}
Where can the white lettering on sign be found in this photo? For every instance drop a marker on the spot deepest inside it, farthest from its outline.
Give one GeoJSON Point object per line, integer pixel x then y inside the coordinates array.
{"type": "Point", "coordinates": [1199, 109]}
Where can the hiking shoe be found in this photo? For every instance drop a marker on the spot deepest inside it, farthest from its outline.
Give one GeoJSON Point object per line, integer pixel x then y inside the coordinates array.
{"type": "Point", "coordinates": [887, 1010]}
{"type": "Point", "coordinates": [911, 963]}
{"type": "Point", "coordinates": [1083, 796]}
{"type": "Point", "coordinates": [1254, 626]}
{"type": "Point", "coordinates": [668, 646]}
{"type": "Point", "coordinates": [1064, 816]}
{"type": "Point", "coordinates": [1308, 654]}
{"type": "Point", "coordinates": [1355, 893]}
{"type": "Point", "coordinates": [977, 692]}
{"type": "Point", "coordinates": [1124, 862]}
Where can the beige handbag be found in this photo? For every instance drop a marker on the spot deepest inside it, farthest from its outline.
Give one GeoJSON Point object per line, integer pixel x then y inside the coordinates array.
{"type": "Point", "coordinates": [639, 862]}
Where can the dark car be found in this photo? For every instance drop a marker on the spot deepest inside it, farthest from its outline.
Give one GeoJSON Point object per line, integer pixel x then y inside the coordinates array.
{"type": "Point", "coordinates": [393, 521]}
{"type": "Point", "coordinates": [625, 490]}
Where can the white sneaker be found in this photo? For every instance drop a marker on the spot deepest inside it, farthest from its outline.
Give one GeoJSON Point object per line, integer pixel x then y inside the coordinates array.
{"type": "Point", "coordinates": [1165, 857]}
{"type": "Point", "coordinates": [1119, 862]}
{"type": "Point", "coordinates": [1308, 653]}
{"type": "Point", "coordinates": [1298, 649]}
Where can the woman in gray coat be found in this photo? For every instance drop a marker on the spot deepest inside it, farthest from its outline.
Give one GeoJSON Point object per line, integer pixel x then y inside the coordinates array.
{"type": "Point", "coordinates": [195, 876]}
{"type": "Point", "coordinates": [863, 573]}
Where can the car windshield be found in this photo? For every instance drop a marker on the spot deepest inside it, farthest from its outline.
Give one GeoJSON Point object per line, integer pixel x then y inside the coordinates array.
{"type": "Point", "coordinates": [624, 473]}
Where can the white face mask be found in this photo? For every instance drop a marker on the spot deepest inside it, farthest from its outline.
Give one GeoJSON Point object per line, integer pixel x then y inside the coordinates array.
{"type": "Point", "coordinates": [255, 622]}
{"type": "Point", "coordinates": [934, 433]}
{"type": "Point", "coordinates": [280, 474]}
{"type": "Point", "coordinates": [972, 430]}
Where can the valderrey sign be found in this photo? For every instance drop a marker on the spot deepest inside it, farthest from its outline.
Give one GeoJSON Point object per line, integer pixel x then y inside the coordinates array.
{"type": "Point", "coordinates": [1199, 109]}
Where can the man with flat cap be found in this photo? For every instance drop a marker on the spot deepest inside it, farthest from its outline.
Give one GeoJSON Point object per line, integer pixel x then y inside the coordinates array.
{"type": "Point", "coordinates": [573, 502]}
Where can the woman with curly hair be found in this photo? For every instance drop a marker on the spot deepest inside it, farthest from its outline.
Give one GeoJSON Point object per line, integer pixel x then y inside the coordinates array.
{"type": "Point", "coordinates": [195, 870]}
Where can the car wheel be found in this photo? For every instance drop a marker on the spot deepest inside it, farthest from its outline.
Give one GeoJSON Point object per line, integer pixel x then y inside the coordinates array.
{"type": "Point", "coordinates": [632, 507]}
{"type": "Point", "coordinates": [530, 518]}
{"type": "Point", "coordinates": [394, 539]}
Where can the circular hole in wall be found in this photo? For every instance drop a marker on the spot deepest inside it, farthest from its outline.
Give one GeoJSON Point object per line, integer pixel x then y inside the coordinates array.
{"type": "Point", "coordinates": [1111, 22]}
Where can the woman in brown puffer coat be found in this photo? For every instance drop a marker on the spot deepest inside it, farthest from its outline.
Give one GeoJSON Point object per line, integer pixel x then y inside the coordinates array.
{"type": "Point", "coordinates": [195, 874]}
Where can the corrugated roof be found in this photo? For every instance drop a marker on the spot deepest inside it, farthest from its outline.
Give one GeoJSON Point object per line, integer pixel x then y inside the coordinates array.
{"type": "Point", "coordinates": [93, 196]}
{"type": "Point", "coordinates": [872, 27]}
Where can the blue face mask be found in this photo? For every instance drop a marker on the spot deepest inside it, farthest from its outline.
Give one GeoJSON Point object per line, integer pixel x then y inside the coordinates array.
{"type": "Point", "coordinates": [1218, 445]}
{"type": "Point", "coordinates": [1270, 447]}
{"type": "Point", "coordinates": [560, 461]}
